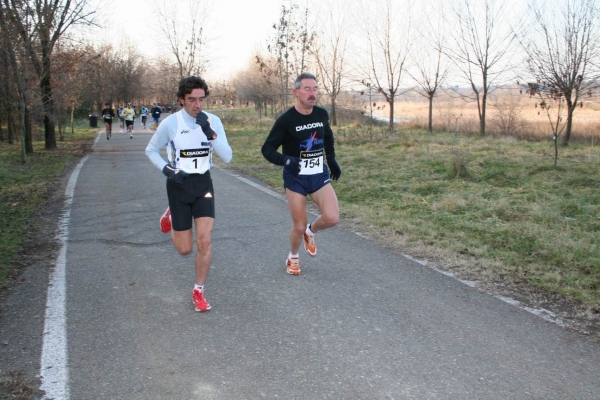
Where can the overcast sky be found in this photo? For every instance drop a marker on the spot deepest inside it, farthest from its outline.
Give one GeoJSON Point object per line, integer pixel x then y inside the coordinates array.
{"type": "Point", "coordinates": [237, 28]}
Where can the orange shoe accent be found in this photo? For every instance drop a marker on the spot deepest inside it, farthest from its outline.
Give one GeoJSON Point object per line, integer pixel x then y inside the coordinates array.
{"type": "Point", "coordinates": [293, 266]}
{"type": "Point", "coordinates": [200, 302]}
{"type": "Point", "coordinates": [309, 244]}
{"type": "Point", "coordinates": [165, 221]}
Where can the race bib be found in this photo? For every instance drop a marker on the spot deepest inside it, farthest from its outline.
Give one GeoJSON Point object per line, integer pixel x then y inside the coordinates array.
{"type": "Point", "coordinates": [311, 162]}
{"type": "Point", "coordinates": [192, 159]}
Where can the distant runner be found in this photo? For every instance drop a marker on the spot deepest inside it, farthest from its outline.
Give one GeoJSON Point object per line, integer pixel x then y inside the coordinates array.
{"type": "Point", "coordinates": [121, 118]}
{"type": "Point", "coordinates": [107, 115]}
{"type": "Point", "coordinates": [129, 115]}
{"type": "Point", "coordinates": [144, 115]}
{"type": "Point", "coordinates": [155, 114]}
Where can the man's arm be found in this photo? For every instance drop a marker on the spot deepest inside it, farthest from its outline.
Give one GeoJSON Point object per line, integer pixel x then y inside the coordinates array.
{"type": "Point", "coordinates": [273, 142]}
{"type": "Point", "coordinates": [159, 140]}
{"type": "Point", "coordinates": [220, 144]}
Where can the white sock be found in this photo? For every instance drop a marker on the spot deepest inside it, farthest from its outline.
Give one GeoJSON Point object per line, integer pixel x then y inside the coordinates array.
{"type": "Point", "coordinates": [199, 287]}
{"type": "Point", "coordinates": [309, 231]}
{"type": "Point", "coordinates": [293, 255]}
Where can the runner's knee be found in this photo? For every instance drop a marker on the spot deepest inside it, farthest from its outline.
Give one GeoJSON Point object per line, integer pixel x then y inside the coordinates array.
{"type": "Point", "coordinates": [331, 220]}
{"type": "Point", "coordinates": [184, 249]}
{"type": "Point", "coordinates": [204, 244]}
{"type": "Point", "coordinates": [300, 227]}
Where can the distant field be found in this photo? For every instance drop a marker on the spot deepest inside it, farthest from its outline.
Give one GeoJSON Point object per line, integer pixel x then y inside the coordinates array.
{"type": "Point", "coordinates": [454, 114]}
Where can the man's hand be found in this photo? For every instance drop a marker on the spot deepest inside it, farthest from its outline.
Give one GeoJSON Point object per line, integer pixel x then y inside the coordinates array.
{"type": "Point", "coordinates": [175, 174]}
{"type": "Point", "coordinates": [204, 122]}
{"type": "Point", "coordinates": [291, 164]}
{"type": "Point", "coordinates": [334, 169]}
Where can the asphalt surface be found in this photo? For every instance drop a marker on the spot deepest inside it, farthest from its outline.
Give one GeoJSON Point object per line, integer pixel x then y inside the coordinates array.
{"type": "Point", "coordinates": [360, 322]}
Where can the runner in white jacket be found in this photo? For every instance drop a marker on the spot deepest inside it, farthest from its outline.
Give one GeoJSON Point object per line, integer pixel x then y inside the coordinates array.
{"type": "Point", "coordinates": [190, 136]}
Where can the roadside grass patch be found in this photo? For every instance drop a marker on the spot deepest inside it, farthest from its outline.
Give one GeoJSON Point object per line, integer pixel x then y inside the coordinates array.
{"type": "Point", "coordinates": [25, 187]}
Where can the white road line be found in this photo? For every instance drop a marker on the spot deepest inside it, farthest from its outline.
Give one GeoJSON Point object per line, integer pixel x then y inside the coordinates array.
{"type": "Point", "coordinates": [54, 362]}
{"type": "Point", "coordinates": [255, 185]}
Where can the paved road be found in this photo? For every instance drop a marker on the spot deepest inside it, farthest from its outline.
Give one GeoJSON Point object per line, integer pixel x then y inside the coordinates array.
{"type": "Point", "coordinates": [361, 322]}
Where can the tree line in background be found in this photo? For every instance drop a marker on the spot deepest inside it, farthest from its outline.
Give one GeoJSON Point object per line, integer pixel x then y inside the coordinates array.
{"type": "Point", "coordinates": [379, 48]}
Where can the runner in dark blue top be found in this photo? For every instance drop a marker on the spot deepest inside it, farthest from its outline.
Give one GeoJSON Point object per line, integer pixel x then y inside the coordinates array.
{"type": "Point", "coordinates": [306, 139]}
{"type": "Point", "coordinates": [107, 115]}
{"type": "Point", "coordinates": [155, 111]}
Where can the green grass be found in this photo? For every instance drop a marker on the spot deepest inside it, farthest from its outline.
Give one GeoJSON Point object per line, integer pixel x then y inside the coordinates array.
{"type": "Point", "coordinates": [494, 204]}
{"type": "Point", "coordinates": [24, 188]}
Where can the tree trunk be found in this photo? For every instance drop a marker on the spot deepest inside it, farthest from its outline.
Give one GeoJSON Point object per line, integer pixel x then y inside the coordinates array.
{"type": "Point", "coordinates": [22, 114]}
{"type": "Point", "coordinates": [48, 103]}
{"type": "Point", "coordinates": [430, 113]}
{"type": "Point", "coordinates": [333, 116]}
{"type": "Point", "coordinates": [28, 134]}
{"type": "Point", "coordinates": [570, 109]}
{"type": "Point", "coordinates": [391, 123]}
{"type": "Point", "coordinates": [72, 120]}
{"type": "Point", "coordinates": [10, 121]}
{"type": "Point", "coordinates": [483, 112]}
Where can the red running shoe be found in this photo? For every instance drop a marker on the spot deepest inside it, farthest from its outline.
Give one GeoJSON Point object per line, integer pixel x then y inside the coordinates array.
{"type": "Point", "coordinates": [199, 301]}
{"type": "Point", "coordinates": [165, 221]}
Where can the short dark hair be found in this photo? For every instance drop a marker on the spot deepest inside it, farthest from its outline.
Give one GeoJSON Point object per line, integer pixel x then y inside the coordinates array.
{"type": "Point", "coordinates": [304, 75]}
{"type": "Point", "coordinates": [186, 85]}
{"type": "Point", "coordinates": [107, 104]}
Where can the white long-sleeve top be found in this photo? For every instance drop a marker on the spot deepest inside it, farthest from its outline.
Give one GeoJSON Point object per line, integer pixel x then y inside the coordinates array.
{"type": "Point", "coordinates": [167, 130]}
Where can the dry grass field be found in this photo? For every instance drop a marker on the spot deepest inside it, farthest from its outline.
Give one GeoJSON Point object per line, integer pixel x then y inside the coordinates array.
{"type": "Point", "coordinates": [509, 112]}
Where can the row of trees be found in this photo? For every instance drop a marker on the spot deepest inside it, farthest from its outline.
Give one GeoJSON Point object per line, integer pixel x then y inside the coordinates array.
{"type": "Point", "coordinates": [48, 74]}
{"type": "Point", "coordinates": [390, 47]}
{"type": "Point", "coordinates": [386, 48]}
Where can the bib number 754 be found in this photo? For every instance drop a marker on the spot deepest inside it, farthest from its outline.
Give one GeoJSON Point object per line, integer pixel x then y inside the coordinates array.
{"type": "Point", "coordinates": [311, 162]}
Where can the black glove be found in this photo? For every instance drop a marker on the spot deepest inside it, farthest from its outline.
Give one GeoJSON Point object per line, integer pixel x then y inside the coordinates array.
{"type": "Point", "coordinates": [334, 169]}
{"type": "Point", "coordinates": [291, 164]}
{"type": "Point", "coordinates": [175, 174]}
{"type": "Point", "coordinates": [204, 122]}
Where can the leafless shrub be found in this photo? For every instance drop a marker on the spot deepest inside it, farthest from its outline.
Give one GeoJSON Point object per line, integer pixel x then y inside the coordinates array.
{"type": "Point", "coordinates": [507, 119]}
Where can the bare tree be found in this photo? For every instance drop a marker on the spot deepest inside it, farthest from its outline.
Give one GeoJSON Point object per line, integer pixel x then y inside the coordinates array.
{"type": "Point", "coordinates": [481, 47]}
{"type": "Point", "coordinates": [329, 52]}
{"type": "Point", "coordinates": [387, 26]}
{"type": "Point", "coordinates": [51, 20]}
{"type": "Point", "coordinates": [431, 64]}
{"type": "Point", "coordinates": [552, 103]}
{"type": "Point", "coordinates": [19, 66]}
{"type": "Point", "coordinates": [288, 49]}
{"type": "Point", "coordinates": [186, 37]}
{"type": "Point", "coordinates": [129, 71]}
{"type": "Point", "coordinates": [562, 53]}
{"type": "Point", "coordinates": [7, 86]}
{"type": "Point", "coordinates": [252, 86]}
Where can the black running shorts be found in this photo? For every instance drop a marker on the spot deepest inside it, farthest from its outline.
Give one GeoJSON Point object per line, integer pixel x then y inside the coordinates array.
{"type": "Point", "coordinates": [305, 184]}
{"type": "Point", "coordinates": [193, 199]}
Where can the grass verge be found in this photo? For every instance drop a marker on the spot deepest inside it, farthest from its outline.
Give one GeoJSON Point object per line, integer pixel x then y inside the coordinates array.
{"type": "Point", "coordinates": [24, 188]}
